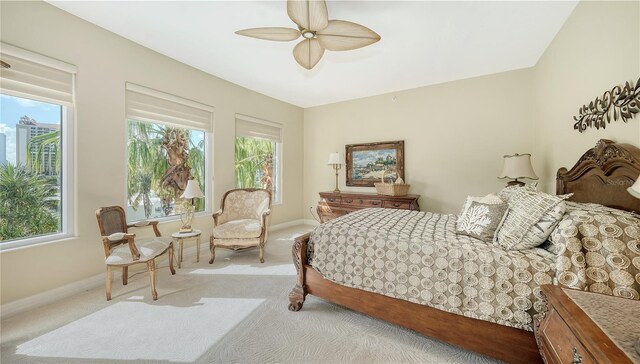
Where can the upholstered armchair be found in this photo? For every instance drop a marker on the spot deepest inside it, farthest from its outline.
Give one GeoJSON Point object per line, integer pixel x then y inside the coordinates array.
{"type": "Point", "coordinates": [242, 221]}
{"type": "Point", "coordinates": [122, 249]}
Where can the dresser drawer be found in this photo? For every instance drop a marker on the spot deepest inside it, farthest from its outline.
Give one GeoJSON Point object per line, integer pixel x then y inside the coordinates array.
{"type": "Point", "coordinates": [397, 205]}
{"type": "Point", "coordinates": [335, 204]}
{"type": "Point", "coordinates": [361, 202]}
{"type": "Point", "coordinates": [559, 343]}
{"type": "Point", "coordinates": [331, 200]}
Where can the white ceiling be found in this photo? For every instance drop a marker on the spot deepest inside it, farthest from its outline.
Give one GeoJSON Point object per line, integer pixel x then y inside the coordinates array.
{"type": "Point", "coordinates": [423, 43]}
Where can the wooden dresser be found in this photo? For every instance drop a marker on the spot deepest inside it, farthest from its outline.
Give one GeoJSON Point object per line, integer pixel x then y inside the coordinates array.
{"type": "Point", "coordinates": [583, 327]}
{"type": "Point", "coordinates": [334, 204]}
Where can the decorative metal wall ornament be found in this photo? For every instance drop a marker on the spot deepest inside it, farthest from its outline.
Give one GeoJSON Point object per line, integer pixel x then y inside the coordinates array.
{"type": "Point", "coordinates": [621, 102]}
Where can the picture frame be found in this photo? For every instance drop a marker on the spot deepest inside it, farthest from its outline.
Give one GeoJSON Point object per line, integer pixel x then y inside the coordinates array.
{"type": "Point", "coordinates": [366, 162]}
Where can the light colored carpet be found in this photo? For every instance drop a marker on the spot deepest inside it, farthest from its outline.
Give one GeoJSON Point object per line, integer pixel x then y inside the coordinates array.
{"type": "Point", "coordinates": [234, 311]}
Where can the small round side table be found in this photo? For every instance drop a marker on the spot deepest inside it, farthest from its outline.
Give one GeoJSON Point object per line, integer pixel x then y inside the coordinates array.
{"type": "Point", "coordinates": [180, 237]}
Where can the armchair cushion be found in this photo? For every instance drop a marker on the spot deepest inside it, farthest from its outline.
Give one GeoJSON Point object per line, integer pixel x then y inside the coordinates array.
{"type": "Point", "coordinates": [238, 229]}
{"type": "Point", "coordinates": [149, 248]}
{"type": "Point", "coordinates": [241, 204]}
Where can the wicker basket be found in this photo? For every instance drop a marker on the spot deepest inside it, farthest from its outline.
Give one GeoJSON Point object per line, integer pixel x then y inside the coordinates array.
{"type": "Point", "coordinates": [391, 189]}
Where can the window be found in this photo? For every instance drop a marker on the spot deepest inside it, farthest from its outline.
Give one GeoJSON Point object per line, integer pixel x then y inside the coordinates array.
{"type": "Point", "coordinates": [161, 159]}
{"type": "Point", "coordinates": [167, 146]}
{"type": "Point", "coordinates": [258, 155]}
{"type": "Point", "coordinates": [36, 117]}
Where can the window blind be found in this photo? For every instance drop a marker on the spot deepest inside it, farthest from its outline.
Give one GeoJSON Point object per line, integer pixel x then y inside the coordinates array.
{"type": "Point", "coordinates": [248, 126]}
{"type": "Point", "coordinates": [36, 77]}
{"type": "Point", "coordinates": [145, 104]}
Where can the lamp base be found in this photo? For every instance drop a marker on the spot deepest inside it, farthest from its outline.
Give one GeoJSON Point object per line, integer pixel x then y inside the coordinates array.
{"type": "Point", "coordinates": [515, 183]}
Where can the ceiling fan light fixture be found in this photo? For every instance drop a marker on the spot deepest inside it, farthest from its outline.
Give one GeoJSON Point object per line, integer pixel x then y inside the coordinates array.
{"type": "Point", "coordinates": [319, 33]}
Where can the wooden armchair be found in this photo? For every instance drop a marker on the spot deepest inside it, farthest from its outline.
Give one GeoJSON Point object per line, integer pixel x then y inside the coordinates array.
{"type": "Point", "coordinates": [122, 249]}
{"type": "Point", "coordinates": [242, 221]}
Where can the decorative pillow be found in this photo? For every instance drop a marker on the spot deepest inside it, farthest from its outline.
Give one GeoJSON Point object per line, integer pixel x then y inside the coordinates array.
{"type": "Point", "coordinates": [490, 199]}
{"type": "Point", "coordinates": [541, 230]}
{"type": "Point", "coordinates": [526, 209]}
{"type": "Point", "coordinates": [480, 220]}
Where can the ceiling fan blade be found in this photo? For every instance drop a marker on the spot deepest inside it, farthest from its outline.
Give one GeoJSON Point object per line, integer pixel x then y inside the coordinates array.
{"type": "Point", "coordinates": [308, 53]}
{"type": "Point", "coordinates": [308, 14]}
{"type": "Point", "coordinates": [342, 35]}
{"type": "Point", "coordinates": [277, 34]}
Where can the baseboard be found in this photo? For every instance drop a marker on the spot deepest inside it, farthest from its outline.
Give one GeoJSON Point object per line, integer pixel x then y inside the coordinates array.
{"type": "Point", "coordinates": [285, 225]}
{"type": "Point", "coordinates": [311, 222]}
{"type": "Point", "coordinates": [28, 303]}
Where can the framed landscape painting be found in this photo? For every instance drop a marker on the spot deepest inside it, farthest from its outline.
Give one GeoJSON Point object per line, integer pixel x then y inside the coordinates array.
{"type": "Point", "coordinates": [367, 162]}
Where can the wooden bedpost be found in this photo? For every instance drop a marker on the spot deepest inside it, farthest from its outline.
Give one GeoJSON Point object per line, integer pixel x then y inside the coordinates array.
{"type": "Point", "coordinates": [299, 252]}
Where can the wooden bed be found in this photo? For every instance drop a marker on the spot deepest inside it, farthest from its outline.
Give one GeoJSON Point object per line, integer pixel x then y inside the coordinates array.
{"type": "Point", "coordinates": [601, 175]}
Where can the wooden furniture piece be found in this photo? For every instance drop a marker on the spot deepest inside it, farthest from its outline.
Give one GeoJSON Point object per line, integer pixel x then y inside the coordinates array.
{"type": "Point", "coordinates": [181, 237]}
{"type": "Point", "coordinates": [571, 330]}
{"type": "Point", "coordinates": [602, 175]}
{"type": "Point", "coordinates": [591, 177]}
{"type": "Point", "coordinates": [335, 204]}
{"type": "Point", "coordinates": [242, 221]}
{"type": "Point", "coordinates": [122, 249]}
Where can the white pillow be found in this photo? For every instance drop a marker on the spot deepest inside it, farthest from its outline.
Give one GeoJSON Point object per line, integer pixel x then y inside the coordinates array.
{"type": "Point", "coordinates": [490, 199]}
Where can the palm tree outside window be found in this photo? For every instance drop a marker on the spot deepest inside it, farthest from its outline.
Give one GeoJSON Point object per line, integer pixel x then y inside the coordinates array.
{"type": "Point", "coordinates": [161, 159]}
{"type": "Point", "coordinates": [258, 164]}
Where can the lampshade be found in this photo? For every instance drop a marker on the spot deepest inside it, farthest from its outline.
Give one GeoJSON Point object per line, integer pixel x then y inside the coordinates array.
{"type": "Point", "coordinates": [335, 158]}
{"type": "Point", "coordinates": [193, 190]}
{"type": "Point", "coordinates": [635, 189]}
{"type": "Point", "coordinates": [517, 166]}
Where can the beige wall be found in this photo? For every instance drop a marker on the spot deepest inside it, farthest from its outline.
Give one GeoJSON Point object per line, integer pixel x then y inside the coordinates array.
{"type": "Point", "coordinates": [455, 136]}
{"type": "Point", "coordinates": [456, 133]}
{"type": "Point", "coordinates": [597, 48]}
{"type": "Point", "coordinates": [105, 62]}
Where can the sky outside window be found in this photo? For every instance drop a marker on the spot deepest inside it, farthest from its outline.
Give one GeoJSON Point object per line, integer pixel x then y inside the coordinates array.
{"type": "Point", "coordinates": [12, 108]}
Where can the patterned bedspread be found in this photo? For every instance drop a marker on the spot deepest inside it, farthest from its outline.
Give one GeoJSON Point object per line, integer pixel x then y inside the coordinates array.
{"type": "Point", "coordinates": [418, 257]}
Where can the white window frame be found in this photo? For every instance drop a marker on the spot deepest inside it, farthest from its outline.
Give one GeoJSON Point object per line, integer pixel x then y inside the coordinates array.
{"type": "Point", "coordinates": [67, 173]}
{"type": "Point", "coordinates": [208, 148]}
{"type": "Point", "coordinates": [67, 200]}
{"type": "Point", "coordinates": [278, 199]}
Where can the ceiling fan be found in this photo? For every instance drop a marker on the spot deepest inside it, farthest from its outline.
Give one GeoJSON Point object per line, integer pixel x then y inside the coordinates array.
{"type": "Point", "coordinates": [318, 31]}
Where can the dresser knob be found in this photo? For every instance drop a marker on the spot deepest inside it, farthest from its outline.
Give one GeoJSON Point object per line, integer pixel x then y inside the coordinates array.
{"type": "Point", "coordinates": [577, 359]}
{"type": "Point", "coordinates": [395, 204]}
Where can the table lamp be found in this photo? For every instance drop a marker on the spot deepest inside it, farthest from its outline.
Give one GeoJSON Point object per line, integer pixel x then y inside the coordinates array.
{"type": "Point", "coordinates": [517, 166]}
{"type": "Point", "coordinates": [191, 192]}
{"type": "Point", "coordinates": [335, 159]}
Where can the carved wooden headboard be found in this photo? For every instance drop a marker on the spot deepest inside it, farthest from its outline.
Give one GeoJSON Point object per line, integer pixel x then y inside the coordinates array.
{"type": "Point", "coordinates": [602, 175]}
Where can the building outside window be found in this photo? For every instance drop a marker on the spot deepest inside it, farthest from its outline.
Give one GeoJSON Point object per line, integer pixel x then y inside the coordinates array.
{"type": "Point", "coordinates": [36, 126]}
{"type": "Point", "coordinates": [258, 155]}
